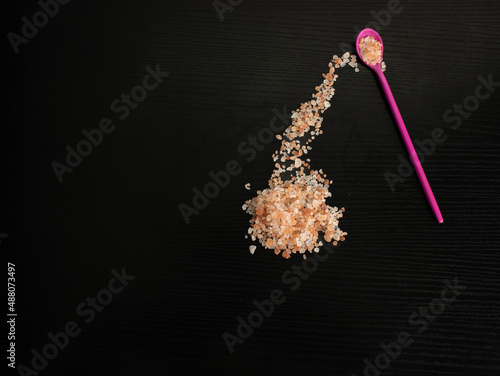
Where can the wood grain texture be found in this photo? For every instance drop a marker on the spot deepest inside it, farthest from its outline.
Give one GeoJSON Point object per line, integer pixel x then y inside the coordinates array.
{"type": "Point", "coordinates": [119, 207]}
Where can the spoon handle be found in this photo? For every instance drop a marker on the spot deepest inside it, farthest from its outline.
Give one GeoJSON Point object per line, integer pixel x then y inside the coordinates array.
{"type": "Point", "coordinates": [409, 146]}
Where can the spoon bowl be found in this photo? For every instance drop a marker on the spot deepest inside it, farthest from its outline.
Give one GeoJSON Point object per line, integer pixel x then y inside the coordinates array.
{"type": "Point", "coordinates": [370, 33]}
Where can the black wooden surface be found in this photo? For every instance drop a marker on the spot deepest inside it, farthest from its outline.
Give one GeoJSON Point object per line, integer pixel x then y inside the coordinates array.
{"type": "Point", "coordinates": [119, 207]}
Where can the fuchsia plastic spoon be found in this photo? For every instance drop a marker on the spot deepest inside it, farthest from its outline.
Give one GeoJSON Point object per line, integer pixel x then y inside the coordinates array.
{"type": "Point", "coordinates": [399, 120]}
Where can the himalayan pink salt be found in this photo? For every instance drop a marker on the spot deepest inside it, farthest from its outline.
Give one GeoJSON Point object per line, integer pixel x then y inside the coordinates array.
{"type": "Point", "coordinates": [370, 50]}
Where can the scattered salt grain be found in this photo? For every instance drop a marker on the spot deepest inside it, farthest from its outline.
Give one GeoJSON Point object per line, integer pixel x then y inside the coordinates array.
{"type": "Point", "coordinates": [252, 249]}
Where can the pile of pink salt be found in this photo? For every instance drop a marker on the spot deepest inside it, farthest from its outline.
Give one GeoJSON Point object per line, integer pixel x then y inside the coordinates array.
{"type": "Point", "coordinates": [289, 216]}
{"type": "Point", "coordinates": [370, 50]}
